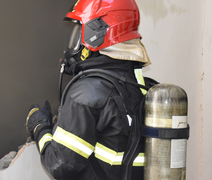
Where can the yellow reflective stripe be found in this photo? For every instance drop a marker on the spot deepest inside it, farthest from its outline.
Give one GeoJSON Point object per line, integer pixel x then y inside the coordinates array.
{"type": "Point", "coordinates": [108, 155]}
{"type": "Point", "coordinates": [36, 127]}
{"type": "Point", "coordinates": [73, 142]}
{"type": "Point", "coordinates": [47, 137]}
{"type": "Point", "coordinates": [118, 158]}
{"type": "Point", "coordinates": [30, 113]}
{"type": "Point", "coordinates": [115, 158]}
{"type": "Point", "coordinates": [140, 79]}
{"type": "Point", "coordinates": [139, 160]}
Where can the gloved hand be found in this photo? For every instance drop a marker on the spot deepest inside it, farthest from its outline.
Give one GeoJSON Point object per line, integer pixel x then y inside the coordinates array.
{"type": "Point", "coordinates": [38, 116]}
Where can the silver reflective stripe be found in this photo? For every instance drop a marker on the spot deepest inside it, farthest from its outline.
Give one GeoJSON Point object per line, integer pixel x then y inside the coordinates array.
{"type": "Point", "coordinates": [47, 137]}
{"type": "Point", "coordinates": [73, 142]}
{"type": "Point", "coordinates": [129, 120]}
{"type": "Point", "coordinates": [107, 155]}
{"type": "Point", "coordinates": [139, 160]}
{"type": "Point", "coordinates": [115, 158]}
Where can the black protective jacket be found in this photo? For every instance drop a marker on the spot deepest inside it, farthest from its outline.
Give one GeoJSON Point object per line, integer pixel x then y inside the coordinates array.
{"type": "Point", "coordinates": [93, 122]}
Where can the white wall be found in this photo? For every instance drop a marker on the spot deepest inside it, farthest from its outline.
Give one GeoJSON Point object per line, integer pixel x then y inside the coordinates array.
{"type": "Point", "coordinates": [178, 38]}
{"type": "Point", "coordinates": [206, 161]}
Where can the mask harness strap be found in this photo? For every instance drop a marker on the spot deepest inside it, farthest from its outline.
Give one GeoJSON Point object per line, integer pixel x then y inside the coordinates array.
{"type": "Point", "coordinates": [62, 68]}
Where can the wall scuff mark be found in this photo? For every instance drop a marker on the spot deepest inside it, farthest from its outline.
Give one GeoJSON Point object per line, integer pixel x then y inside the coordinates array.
{"type": "Point", "coordinates": [201, 103]}
{"type": "Point", "coordinates": [159, 9]}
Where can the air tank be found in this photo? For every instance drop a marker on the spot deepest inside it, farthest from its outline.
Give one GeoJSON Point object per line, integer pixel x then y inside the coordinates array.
{"type": "Point", "coordinates": [165, 107]}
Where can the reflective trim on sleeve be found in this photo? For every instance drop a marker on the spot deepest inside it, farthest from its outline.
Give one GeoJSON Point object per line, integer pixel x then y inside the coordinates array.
{"type": "Point", "coordinates": [108, 155]}
{"type": "Point", "coordinates": [73, 142]}
{"type": "Point", "coordinates": [115, 158]}
{"type": "Point", "coordinates": [139, 160]}
{"type": "Point", "coordinates": [47, 137]}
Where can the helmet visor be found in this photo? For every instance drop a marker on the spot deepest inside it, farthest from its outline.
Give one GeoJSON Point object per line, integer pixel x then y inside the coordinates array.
{"type": "Point", "coordinates": [74, 35]}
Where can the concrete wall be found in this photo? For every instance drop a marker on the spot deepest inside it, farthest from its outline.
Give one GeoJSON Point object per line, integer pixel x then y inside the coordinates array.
{"type": "Point", "coordinates": [26, 166]}
{"type": "Point", "coordinates": [31, 44]}
{"type": "Point", "coordinates": [178, 39]}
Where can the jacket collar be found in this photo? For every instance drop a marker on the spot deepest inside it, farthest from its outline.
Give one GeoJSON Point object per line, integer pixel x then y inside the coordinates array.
{"type": "Point", "coordinates": [104, 62]}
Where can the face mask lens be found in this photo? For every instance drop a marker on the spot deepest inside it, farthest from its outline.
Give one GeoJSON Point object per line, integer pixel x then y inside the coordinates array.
{"type": "Point", "coordinates": [75, 37]}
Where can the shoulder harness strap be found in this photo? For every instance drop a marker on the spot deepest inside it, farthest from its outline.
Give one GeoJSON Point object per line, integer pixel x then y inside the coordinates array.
{"type": "Point", "coordinates": [135, 133]}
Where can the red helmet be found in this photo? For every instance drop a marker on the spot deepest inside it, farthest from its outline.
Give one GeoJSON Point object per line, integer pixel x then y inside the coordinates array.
{"type": "Point", "coordinates": [106, 22]}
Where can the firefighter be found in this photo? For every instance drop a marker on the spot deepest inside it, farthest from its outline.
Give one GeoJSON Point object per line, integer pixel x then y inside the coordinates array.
{"type": "Point", "coordinates": [90, 137]}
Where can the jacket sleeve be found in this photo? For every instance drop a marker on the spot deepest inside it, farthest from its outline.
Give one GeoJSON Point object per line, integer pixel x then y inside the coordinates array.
{"type": "Point", "coordinates": [66, 149]}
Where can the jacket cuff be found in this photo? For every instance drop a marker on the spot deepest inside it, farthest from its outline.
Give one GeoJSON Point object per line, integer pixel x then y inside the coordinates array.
{"type": "Point", "coordinates": [43, 136]}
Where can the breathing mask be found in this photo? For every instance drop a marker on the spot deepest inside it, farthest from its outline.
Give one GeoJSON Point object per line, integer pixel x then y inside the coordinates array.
{"type": "Point", "coordinates": [75, 51]}
{"type": "Point", "coordinates": [74, 46]}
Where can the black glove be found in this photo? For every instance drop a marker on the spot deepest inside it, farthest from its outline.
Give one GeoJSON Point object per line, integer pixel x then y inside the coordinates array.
{"type": "Point", "coordinates": [38, 116]}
